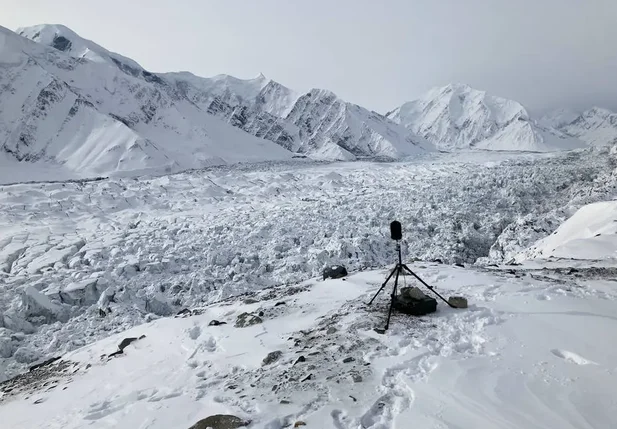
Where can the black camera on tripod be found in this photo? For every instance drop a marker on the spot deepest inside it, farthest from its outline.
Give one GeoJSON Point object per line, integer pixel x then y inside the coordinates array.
{"type": "Point", "coordinates": [411, 301]}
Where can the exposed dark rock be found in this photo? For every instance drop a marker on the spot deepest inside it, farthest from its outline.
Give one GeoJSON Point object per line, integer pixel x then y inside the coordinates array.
{"type": "Point", "coordinates": [125, 342]}
{"type": "Point", "coordinates": [300, 359]}
{"type": "Point", "coordinates": [184, 312]}
{"type": "Point", "coordinates": [61, 43]}
{"type": "Point", "coordinates": [42, 364]}
{"type": "Point", "coordinates": [216, 323]}
{"type": "Point", "coordinates": [221, 421]}
{"type": "Point", "coordinates": [458, 301]}
{"type": "Point", "coordinates": [272, 357]}
{"type": "Point", "coordinates": [414, 302]}
{"type": "Point", "coordinates": [348, 359]}
{"type": "Point", "coordinates": [247, 319]}
{"type": "Point", "coordinates": [249, 301]}
{"type": "Point", "coordinates": [279, 303]}
{"type": "Point", "coordinates": [334, 272]}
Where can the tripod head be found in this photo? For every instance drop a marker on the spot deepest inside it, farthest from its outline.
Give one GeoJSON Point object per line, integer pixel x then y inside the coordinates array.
{"type": "Point", "coordinates": [396, 232]}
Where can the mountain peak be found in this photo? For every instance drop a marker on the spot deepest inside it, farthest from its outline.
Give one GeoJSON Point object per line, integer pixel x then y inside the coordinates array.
{"type": "Point", "coordinates": [457, 116]}
{"type": "Point", "coordinates": [64, 39]}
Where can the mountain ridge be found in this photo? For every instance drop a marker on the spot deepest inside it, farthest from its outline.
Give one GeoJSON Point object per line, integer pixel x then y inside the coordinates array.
{"type": "Point", "coordinates": [170, 118]}
{"type": "Point", "coordinates": [457, 116]}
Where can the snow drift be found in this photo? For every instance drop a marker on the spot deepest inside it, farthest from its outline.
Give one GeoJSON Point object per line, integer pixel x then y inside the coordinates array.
{"type": "Point", "coordinates": [590, 234]}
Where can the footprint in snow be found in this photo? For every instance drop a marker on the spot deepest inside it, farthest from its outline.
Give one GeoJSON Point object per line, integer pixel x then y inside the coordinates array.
{"type": "Point", "coordinates": [194, 332]}
{"type": "Point", "coordinates": [572, 357]}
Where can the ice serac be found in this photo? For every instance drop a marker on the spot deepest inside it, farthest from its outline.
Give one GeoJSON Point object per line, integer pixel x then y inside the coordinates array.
{"type": "Point", "coordinates": [330, 127]}
{"type": "Point", "coordinates": [69, 103]}
{"type": "Point", "coordinates": [459, 117]}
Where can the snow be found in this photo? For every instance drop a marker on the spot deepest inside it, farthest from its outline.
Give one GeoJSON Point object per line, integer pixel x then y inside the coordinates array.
{"type": "Point", "coordinates": [240, 227]}
{"type": "Point", "coordinates": [87, 118]}
{"type": "Point", "coordinates": [158, 244]}
{"type": "Point", "coordinates": [459, 117]}
{"type": "Point", "coordinates": [514, 358]}
{"type": "Point", "coordinates": [78, 47]}
{"type": "Point", "coordinates": [597, 127]}
{"type": "Point", "coordinates": [590, 234]}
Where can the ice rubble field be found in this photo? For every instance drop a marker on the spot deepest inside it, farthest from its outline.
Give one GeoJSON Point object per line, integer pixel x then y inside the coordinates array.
{"type": "Point", "coordinates": [531, 351]}
{"type": "Point", "coordinates": [163, 244]}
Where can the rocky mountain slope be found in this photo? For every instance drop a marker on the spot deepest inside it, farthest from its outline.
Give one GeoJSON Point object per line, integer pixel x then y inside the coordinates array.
{"type": "Point", "coordinates": [596, 127]}
{"type": "Point", "coordinates": [94, 114]}
{"type": "Point", "coordinates": [132, 120]}
{"type": "Point", "coordinates": [460, 117]}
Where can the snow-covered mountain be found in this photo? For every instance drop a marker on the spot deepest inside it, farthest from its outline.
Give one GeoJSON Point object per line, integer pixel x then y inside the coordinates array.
{"type": "Point", "coordinates": [459, 117]}
{"type": "Point", "coordinates": [596, 126]}
{"type": "Point", "coordinates": [95, 114]}
{"type": "Point", "coordinates": [132, 120]}
{"type": "Point", "coordinates": [333, 128]}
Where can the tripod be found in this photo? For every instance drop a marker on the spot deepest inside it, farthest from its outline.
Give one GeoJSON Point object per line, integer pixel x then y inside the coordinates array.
{"type": "Point", "coordinates": [396, 272]}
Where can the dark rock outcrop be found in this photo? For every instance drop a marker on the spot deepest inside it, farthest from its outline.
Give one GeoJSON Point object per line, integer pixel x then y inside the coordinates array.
{"type": "Point", "coordinates": [272, 357]}
{"type": "Point", "coordinates": [247, 319]}
{"type": "Point", "coordinates": [334, 272]}
{"type": "Point", "coordinates": [220, 421]}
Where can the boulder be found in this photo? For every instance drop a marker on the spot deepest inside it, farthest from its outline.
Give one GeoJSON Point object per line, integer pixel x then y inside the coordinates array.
{"type": "Point", "coordinates": [247, 319]}
{"type": "Point", "coordinates": [413, 293]}
{"type": "Point", "coordinates": [220, 421]}
{"type": "Point", "coordinates": [408, 302]}
{"type": "Point", "coordinates": [334, 272]}
{"type": "Point", "coordinates": [272, 357]}
{"type": "Point", "coordinates": [458, 301]}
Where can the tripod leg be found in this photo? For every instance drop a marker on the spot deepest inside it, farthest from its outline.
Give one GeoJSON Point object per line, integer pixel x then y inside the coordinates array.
{"type": "Point", "coordinates": [383, 285]}
{"type": "Point", "coordinates": [398, 271]}
{"type": "Point", "coordinates": [425, 284]}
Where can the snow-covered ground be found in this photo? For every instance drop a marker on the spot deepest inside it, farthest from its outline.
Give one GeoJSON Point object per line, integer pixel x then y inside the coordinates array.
{"type": "Point", "coordinates": [588, 235]}
{"type": "Point", "coordinates": [527, 353]}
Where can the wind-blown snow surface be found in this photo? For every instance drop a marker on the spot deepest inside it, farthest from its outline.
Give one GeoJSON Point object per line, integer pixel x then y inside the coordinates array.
{"type": "Point", "coordinates": [590, 234]}
{"type": "Point", "coordinates": [149, 247]}
{"type": "Point", "coordinates": [458, 116]}
{"type": "Point", "coordinates": [528, 352]}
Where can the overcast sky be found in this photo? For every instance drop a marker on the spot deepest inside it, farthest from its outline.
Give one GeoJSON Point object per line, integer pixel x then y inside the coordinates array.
{"type": "Point", "coordinates": [377, 53]}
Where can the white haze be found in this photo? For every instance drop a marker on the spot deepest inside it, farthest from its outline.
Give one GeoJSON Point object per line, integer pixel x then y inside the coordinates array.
{"type": "Point", "coordinates": [554, 53]}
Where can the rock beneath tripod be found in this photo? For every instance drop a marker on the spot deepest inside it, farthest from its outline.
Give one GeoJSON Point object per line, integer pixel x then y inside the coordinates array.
{"type": "Point", "coordinates": [413, 293]}
{"type": "Point", "coordinates": [334, 272]}
{"type": "Point", "coordinates": [413, 301]}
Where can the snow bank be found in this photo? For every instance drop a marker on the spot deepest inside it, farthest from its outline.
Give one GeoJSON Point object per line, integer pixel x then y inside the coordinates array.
{"type": "Point", "coordinates": [591, 233]}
